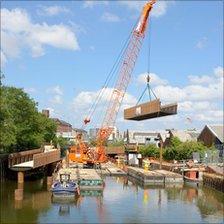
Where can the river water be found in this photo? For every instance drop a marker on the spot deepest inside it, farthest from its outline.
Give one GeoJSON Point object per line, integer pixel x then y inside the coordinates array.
{"type": "Point", "coordinates": [121, 201]}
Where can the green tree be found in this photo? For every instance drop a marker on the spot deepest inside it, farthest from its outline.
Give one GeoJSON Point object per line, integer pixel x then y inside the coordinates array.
{"type": "Point", "coordinates": [149, 151]}
{"type": "Point", "coordinates": [22, 127]}
{"type": "Point", "coordinates": [184, 150]}
{"type": "Point", "coordinates": [63, 143]}
{"type": "Point", "coordinates": [175, 141]}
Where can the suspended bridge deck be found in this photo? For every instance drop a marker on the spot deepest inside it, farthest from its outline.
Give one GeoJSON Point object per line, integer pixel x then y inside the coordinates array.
{"type": "Point", "coordinates": [149, 110]}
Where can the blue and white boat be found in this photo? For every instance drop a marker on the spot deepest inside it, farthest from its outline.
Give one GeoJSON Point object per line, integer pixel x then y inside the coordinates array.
{"type": "Point", "coordinates": [65, 187]}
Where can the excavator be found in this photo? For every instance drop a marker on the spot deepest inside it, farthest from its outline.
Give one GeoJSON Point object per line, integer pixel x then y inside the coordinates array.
{"type": "Point", "coordinates": [81, 152]}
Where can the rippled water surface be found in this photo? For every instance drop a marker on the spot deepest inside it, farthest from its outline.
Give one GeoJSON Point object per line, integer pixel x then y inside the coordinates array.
{"type": "Point", "coordinates": [121, 201]}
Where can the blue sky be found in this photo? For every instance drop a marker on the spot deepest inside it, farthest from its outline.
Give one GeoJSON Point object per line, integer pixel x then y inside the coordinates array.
{"type": "Point", "coordinates": [61, 52]}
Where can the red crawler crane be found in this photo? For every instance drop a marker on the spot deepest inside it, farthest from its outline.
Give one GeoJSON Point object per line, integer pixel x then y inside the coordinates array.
{"type": "Point", "coordinates": [126, 68]}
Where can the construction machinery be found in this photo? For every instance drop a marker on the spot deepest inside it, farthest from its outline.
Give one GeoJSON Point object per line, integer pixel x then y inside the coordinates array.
{"type": "Point", "coordinates": [81, 152]}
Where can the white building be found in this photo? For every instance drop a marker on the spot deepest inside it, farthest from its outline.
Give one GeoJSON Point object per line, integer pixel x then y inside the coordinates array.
{"type": "Point", "coordinates": [142, 137]}
{"type": "Point", "coordinates": [115, 135]}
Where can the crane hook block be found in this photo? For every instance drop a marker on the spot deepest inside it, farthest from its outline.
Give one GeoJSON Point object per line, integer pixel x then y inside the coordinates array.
{"type": "Point", "coordinates": [86, 120]}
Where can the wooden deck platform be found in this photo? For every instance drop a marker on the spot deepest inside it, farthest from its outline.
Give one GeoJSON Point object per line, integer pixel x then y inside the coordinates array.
{"type": "Point", "coordinates": [32, 159]}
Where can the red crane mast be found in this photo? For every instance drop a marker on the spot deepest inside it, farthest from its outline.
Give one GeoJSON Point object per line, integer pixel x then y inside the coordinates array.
{"type": "Point", "coordinates": [81, 152]}
{"type": "Point", "coordinates": [126, 69]}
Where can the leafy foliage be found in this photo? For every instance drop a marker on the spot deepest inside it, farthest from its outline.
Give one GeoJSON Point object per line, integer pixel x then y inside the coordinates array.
{"type": "Point", "coordinates": [183, 150]}
{"type": "Point", "coordinates": [63, 143]}
{"type": "Point", "coordinates": [21, 125]}
{"type": "Point", "coordinates": [149, 151]}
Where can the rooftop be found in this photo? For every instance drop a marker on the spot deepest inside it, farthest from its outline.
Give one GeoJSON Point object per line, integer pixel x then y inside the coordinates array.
{"type": "Point", "coordinates": [217, 130]}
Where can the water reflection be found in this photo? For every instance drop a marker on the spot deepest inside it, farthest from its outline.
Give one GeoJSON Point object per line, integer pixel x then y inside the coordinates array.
{"type": "Point", "coordinates": [64, 210]}
{"type": "Point", "coordinates": [123, 200]}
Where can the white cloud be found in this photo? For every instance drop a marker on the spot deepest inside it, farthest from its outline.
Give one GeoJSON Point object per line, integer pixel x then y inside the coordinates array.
{"type": "Point", "coordinates": [3, 59]}
{"type": "Point", "coordinates": [84, 100]}
{"type": "Point", "coordinates": [11, 44]}
{"type": "Point", "coordinates": [201, 88]}
{"type": "Point", "coordinates": [202, 43]}
{"type": "Point", "coordinates": [205, 79]}
{"type": "Point", "coordinates": [159, 8]}
{"type": "Point", "coordinates": [210, 116]}
{"type": "Point", "coordinates": [170, 93]}
{"type": "Point", "coordinates": [55, 90]}
{"type": "Point", "coordinates": [57, 99]}
{"type": "Point", "coordinates": [132, 5]}
{"type": "Point", "coordinates": [189, 106]}
{"type": "Point", "coordinates": [154, 79]}
{"type": "Point", "coordinates": [201, 102]}
{"type": "Point", "coordinates": [57, 93]}
{"type": "Point", "coordinates": [201, 99]}
{"type": "Point", "coordinates": [219, 72]}
{"type": "Point", "coordinates": [30, 90]}
{"type": "Point", "coordinates": [52, 10]}
{"type": "Point", "coordinates": [77, 28]}
{"type": "Point", "coordinates": [109, 17]}
{"type": "Point", "coordinates": [19, 32]}
{"type": "Point", "coordinates": [91, 4]}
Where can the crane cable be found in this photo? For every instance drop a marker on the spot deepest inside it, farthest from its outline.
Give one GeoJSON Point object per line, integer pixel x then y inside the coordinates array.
{"type": "Point", "coordinates": [110, 75]}
{"type": "Point", "coordinates": [148, 67]}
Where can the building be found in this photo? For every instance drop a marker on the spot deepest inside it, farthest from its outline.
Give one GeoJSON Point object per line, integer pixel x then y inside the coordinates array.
{"type": "Point", "coordinates": [115, 135]}
{"type": "Point", "coordinates": [112, 151]}
{"type": "Point", "coordinates": [183, 135]}
{"type": "Point", "coordinates": [64, 129]}
{"type": "Point", "coordinates": [93, 133]}
{"type": "Point", "coordinates": [141, 137]}
{"type": "Point", "coordinates": [212, 135]}
{"type": "Point", "coordinates": [84, 133]}
{"type": "Point", "coordinates": [46, 113]}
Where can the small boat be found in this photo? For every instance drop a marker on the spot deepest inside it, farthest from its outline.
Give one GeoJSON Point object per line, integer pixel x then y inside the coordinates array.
{"type": "Point", "coordinates": [65, 187]}
{"type": "Point", "coordinates": [192, 175]}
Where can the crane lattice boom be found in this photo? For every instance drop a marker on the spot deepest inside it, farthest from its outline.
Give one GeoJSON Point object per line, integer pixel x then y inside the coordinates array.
{"type": "Point", "coordinates": [126, 69]}
{"type": "Point", "coordinates": [83, 153]}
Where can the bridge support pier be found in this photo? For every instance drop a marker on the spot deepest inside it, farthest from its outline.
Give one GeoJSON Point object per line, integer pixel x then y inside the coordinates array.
{"type": "Point", "coordinates": [20, 177]}
{"type": "Point", "coordinates": [18, 194]}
